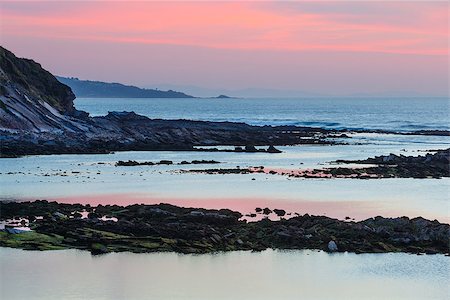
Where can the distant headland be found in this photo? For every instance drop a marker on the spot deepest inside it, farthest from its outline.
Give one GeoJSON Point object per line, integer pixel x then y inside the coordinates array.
{"type": "Point", "coordinates": [99, 89]}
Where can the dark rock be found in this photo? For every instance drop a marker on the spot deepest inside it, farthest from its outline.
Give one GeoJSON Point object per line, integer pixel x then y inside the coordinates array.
{"type": "Point", "coordinates": [94, 215]}
{"type": "Point", "coordinates": [97, 248]}
{"type": "Point", "coordinates": [272, 149]}
{"type": "Point", "coordinates": [165, 227]}
{"type": "Point", "coordinates": [250, 148]}
{"type": "Point", "coordinates": [279, 212]}
{"type": "Point", "coordinates": [267, 211]}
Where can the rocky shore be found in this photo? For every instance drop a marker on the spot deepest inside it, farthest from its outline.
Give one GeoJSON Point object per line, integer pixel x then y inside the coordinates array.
{"type": "Point", "coordinates": [435, 165]}
{"type": "Point", "coordinates": [38, 116]}
{"type": "Point", "coordinates": [164, 227]}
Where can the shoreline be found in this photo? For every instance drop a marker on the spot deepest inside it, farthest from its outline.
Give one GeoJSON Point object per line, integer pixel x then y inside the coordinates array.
{"type": "Point", "coordinates": [168, 228]}
{"type": "Point", "coordinates": [173, 135]}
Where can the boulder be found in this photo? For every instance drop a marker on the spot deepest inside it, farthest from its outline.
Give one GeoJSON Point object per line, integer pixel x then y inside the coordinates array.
{"type": "Point", "coordinates": [332, 246]}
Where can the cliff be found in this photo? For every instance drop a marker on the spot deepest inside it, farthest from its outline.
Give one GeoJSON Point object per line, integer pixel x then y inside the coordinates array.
{"type": "Point", "coordinates": [31, 98]}
{"type": "Point", "coordinates": [37, 116]}
{"type": "Point", "coordinates": [18, 75]}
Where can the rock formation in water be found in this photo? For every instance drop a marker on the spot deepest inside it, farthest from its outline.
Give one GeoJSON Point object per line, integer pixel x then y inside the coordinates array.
{"type": "Point", "coordinates": [165, 227]}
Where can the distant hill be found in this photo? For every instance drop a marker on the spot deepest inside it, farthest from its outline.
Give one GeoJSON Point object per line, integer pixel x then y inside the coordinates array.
{"type": "Point", "coordinates": [98, 89]}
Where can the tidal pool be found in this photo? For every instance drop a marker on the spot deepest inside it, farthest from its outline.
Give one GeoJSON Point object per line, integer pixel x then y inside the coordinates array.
{"type": "Point", "coordinates": [80, 178]}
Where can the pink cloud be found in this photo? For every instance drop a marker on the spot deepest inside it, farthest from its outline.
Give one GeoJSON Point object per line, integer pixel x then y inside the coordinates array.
{"type": "Point", "coordinates": [407, 28]}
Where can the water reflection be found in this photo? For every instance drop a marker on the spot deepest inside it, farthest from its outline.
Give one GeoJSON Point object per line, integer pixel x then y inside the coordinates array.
{"type": "Point", "coordinates": [72, 274]}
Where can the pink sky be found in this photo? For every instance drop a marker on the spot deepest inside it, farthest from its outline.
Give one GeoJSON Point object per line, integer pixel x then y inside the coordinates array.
{"type": "Point", "coordinates": [323, 47]}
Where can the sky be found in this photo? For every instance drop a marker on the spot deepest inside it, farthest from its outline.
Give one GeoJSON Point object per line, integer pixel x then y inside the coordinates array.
{"type": "Point", "coordinates": [249, 48]}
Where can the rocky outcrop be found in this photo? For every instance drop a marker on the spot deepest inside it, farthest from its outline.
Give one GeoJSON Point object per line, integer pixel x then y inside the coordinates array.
{"type": "Point", "coordinates": [37, 116]}
{"type": "Point", "coordinates": [18, 75]}
{"type": "Point", "coordinates": [389, 166]}
{"type": "Point", "coordinates": [164, 227]}
{"type": "Point", "coordinates": [32, 100]}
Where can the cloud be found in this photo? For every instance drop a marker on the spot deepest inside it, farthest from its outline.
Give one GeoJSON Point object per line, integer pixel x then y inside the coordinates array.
{"type": "Point", "coordinates": [333, 47]}
{"type": "Point", "coordinates": [410, 28]}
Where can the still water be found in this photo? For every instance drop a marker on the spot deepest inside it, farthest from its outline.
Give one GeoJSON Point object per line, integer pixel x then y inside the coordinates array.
{"type": "Point", "coordinates": [94, 179]}
{"type": "Point", "coordinates": [73, 274]}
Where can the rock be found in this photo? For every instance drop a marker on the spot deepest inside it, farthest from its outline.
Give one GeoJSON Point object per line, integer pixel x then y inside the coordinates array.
{"type": "Point", "coordinates": [216, 238]}
{"type": "Point", "coordinates": [279, 212]}
{"type": "Point", "coordinates": [267, 211]}
{"type": "Point", "coordinates": [332, 246]}
{"type": "Point", "coordinates": [57, 215]}
{"type": "Point", "coordinates": [77, 215]}
{"type": "Point", "coordinates": [94, 215]}
{"type": "Point", "coordinates": [165, 227]}
{"type": "Point", "coordinates": [196, 213]}
{"type": "Point", "coordinates": [201, 162]}
{"type": "Point", "coordinates": [284, 235]}
{"type": "Point", "coordinates": [258, 209]}
{"type": "Point", "coordinates": [132, 163]}
{"type": "Point", "coordinates": [97, 248]}
{"type": "Point", "coordinates": [272, 149]}
{"type": "Point", "coordinates": [250, 148]}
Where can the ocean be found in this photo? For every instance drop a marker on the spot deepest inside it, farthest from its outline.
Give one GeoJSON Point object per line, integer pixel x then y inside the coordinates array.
{"type": "Point", "coordinates": [398, 114]}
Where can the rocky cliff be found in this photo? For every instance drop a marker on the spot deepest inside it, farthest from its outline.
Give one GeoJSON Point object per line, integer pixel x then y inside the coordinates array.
{"type": "Point", "coordinates": [37, 116]}
{"type": "Point", "coordinates": [31, 98]}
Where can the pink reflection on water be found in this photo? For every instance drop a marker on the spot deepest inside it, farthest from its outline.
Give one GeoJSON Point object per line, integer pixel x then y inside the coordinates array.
{"type": "Point", "coordinates": [359, 210]}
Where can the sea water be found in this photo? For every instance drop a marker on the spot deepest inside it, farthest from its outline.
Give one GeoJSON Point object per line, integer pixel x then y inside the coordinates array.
{"type": "Point", "coordinates": [399, 114]}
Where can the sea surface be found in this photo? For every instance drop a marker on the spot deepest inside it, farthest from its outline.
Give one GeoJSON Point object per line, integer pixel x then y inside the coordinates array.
{"type": "Point", "coordinates": [398, 114]}
{"type": "Point", "coordinates": [94, 179]}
